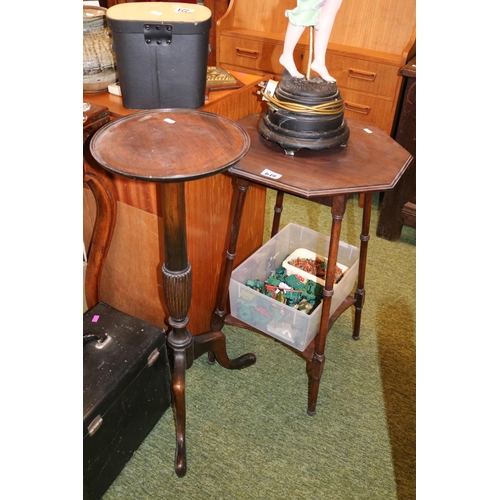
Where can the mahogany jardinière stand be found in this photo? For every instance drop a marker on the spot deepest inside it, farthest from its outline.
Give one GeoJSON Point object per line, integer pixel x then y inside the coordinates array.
{"type": "Point", "coordinates": [171, 147]}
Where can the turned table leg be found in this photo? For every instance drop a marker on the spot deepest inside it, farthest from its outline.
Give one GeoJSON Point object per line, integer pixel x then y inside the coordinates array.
{"type": "Point", "coordinates": [363, 252]}
{"type": "Point", "coordinates": [176, 273]}
{"type": "Point", "coordinates": [315, 367]}
{"type": "Point", "coordinates": [220, 311]}
{"type": "Point", "coordinates": [278, 208]}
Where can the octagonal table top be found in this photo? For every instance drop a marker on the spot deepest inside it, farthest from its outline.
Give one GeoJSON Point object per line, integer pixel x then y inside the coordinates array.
{"type": "Point", "coordinates": [371, 161]}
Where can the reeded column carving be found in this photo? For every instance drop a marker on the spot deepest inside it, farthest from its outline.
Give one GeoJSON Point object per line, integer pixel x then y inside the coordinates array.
{"type": "Point", "coordinates": [177, 289]}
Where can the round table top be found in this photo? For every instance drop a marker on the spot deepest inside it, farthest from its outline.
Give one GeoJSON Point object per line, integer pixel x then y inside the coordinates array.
{"type": "Point", "coordinates": [169, 145]}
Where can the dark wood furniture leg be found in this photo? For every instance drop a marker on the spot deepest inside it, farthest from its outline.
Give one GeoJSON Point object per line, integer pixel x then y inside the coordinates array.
{"type": "Point", "coordinates": [182, 347]}
{"type": "Point", "coordinates": [102, 187]}
{"type": "Point", "coordinates": [219, 314]}
{"type": "Point", "coordinates": [363, 252]}
{"type": "Point", "coordinates": [176, 272]}
{"type": "Point", "coordinates": [278, 208]}
{"type": "Point", "coordinates": [315, 366]}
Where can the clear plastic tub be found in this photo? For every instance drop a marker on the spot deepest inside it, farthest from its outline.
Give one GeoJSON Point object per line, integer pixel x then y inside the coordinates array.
{"type": "Point", "coordinates": [290, 326]}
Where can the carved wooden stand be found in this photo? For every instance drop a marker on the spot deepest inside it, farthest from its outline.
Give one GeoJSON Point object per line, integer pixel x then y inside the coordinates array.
{"type": "Point", "coordinates": [171, 147]}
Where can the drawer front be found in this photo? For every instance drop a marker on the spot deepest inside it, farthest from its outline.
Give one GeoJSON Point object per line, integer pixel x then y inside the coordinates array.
{"type": "Point", "coordinates": [351, 73]}
{"type": "Point", "coordinates": [370, 109]}
{"type": "Point", "coordinates": [361, 76]}
{"type": "Point", "coordinates": [254, 54]}
{"type": "Point", "coordinates": [364, 76]}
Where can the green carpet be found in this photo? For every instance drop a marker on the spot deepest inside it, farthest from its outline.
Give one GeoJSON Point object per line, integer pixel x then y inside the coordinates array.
{"type": "Point", "coordinates": [248, 434]}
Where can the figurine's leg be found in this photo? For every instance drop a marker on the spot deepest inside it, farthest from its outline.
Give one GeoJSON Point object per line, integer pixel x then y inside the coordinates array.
{"type": "Point", "coordinates": [322, 37]}
{"type": "Point", "coordinates": [293, 33]}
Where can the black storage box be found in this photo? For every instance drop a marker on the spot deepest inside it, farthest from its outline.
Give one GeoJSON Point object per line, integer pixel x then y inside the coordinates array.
{"type": "Point", "coordinates": [126, 389]}
{"type": "Point", "coordinates": [161, 51]}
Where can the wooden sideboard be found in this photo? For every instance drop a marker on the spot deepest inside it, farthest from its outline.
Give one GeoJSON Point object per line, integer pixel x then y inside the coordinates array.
{"type": "Point", "coordinates": [131, 280]}
{"type": "Point", "coordinates": [369, 43]}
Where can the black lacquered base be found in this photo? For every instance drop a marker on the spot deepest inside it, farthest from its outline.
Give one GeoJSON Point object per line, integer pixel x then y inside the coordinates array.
{"type": "Point", "coordinates": [294, 125]}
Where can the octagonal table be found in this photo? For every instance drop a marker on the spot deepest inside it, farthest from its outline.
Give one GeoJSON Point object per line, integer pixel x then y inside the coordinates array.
{"type": "Point", "coordinates": [372, 161]}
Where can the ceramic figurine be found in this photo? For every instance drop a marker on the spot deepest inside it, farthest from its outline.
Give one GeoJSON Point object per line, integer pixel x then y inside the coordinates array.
{"type": "Point", "coordinates": [321, 15]}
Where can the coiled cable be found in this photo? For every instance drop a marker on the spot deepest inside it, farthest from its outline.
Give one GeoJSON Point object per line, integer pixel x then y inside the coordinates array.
{"type": "Point", "coordinates": [328, 108]}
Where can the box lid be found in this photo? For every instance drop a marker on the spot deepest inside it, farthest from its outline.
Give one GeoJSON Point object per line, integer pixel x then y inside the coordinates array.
{"type": "Point", "coordinates": [186, 18]}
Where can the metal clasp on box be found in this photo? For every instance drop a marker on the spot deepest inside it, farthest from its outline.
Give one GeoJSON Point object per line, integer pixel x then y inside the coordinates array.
{"type": "Point", "coordinates": [158, 34]}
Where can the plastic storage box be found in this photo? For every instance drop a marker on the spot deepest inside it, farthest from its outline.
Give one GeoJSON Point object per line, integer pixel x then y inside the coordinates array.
{"type": "Point", "coordinates": [290, 326]}
{"type": "Point", "coordinates": [161, 51]}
